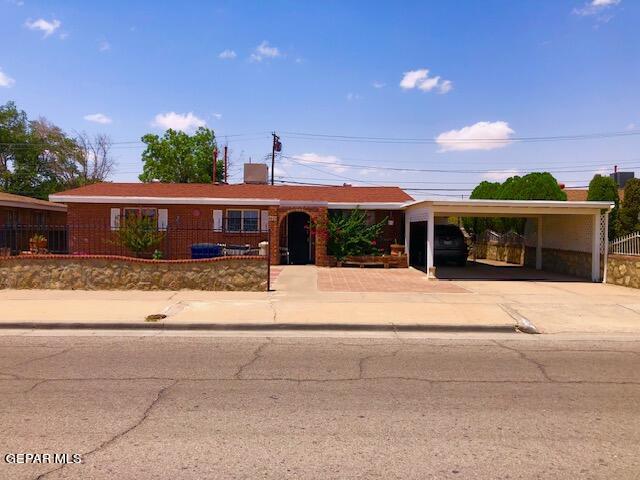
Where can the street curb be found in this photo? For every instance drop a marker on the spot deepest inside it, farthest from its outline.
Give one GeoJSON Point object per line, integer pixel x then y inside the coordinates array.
{"type": "Point", "coordinates": [256, 327]}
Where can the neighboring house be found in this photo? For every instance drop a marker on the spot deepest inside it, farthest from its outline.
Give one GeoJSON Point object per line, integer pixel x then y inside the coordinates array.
{"type": "Point", "coordinates": [21, 217]}
{"type": "Point", "coordinates": [19, 210]}
{"type": "Point", "coordinates": [580, 194]}
{"type": "Point", "coordinates": [231, 214]}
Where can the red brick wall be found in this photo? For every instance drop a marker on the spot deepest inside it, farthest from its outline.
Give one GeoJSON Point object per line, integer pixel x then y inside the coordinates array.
{"type": "Point", "coordinates": [90, 229]}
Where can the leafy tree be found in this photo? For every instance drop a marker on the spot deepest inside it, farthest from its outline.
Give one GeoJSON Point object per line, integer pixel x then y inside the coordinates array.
{"type": "Point", "coordinates": [38, 158]}
{"type": "Point", "coordinates": [14, 131]}
{"type": "Point", "coordinates": [348, 234]}
{"type": "Point", "coordinates": [533, 186]}
{"type": "Point", "coordinates": [606, 189]}
{"type": "Point", "coordinates": [630, 209]}
{"type": "Point", "coordinates": [177, 157]}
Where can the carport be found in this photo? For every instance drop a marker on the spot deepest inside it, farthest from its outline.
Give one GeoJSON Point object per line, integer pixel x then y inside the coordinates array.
{"type": "Point", "coordinates": [561, 237]}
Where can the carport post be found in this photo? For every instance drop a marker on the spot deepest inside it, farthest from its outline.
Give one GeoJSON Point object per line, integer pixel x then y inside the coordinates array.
{"type": "Point", "coordinates": [539, 244]}
{"type": "Point", "coordinates": [595, 249]}
{"type": "Point", "coordinates": [430, 229]}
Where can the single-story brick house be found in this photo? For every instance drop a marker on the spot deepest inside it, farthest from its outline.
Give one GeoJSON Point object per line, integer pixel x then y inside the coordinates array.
{"type": "Point", "coordinates": [21, 217]}
{"type": "Point", "coordinates": [232, 212]}
{"type": "Point", "coordinates": [19, 210]}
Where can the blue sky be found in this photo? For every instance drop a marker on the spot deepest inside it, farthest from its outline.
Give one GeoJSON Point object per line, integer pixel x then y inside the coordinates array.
{"type": "Point", "coordinates": [502, 69]}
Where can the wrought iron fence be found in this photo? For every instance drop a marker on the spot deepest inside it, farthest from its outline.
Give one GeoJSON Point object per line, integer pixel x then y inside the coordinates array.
{"type": "Point", "coordinates": [184, 241]}
{"type": "Point", "coordinates": [626, 245]}
{"type": "Point", "coordinates": [509, 238]}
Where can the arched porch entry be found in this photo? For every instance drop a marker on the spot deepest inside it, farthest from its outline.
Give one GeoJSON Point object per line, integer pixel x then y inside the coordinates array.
{"type": "Point", "coordinates": [295, 238]}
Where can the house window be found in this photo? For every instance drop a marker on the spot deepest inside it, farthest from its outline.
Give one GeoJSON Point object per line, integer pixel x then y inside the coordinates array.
{"type": "Point", "coordinates": [148, 213]}
{"type": "Point", "coordinates": [39, 219]}
{"type": "Point", "coordinates": [242, 220]}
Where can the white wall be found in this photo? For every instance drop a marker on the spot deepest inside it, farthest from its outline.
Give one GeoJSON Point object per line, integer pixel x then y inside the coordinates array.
{"type": "Point", "coordinates": [568, 232]}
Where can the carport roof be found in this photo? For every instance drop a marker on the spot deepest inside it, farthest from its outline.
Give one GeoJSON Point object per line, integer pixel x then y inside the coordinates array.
{"type": "Point", "coordinates": [511, 207]}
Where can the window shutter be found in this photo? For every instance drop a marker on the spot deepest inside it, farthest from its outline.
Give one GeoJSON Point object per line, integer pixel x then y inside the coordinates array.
{"type": "Point", "coordinates": [115, 218]}
{"type": "Point", "coordinates": [217, 220]}
{"type": "Point", "coordinates": [264, 220]}
{"type": "Point", "coordinates": [163, 218]}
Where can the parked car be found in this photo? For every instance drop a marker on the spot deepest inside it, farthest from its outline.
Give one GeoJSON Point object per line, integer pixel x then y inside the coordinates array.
{"type": "Point", "coordinates": [449, 245]}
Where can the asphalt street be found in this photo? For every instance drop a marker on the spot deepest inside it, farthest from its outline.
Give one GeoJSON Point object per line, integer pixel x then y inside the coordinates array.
{"type": "Point", "coordinates": [201, 406]}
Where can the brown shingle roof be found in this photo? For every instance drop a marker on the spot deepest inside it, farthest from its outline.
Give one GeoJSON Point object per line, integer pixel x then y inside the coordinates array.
{"type": "Point", "coordinates": [27, 202]}
{"type": "Point", "coordinates": [338, 194]}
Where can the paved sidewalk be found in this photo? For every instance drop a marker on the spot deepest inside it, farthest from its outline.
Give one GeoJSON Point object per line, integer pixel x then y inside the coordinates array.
{"type": "Point", "coordinates": [299, 299]}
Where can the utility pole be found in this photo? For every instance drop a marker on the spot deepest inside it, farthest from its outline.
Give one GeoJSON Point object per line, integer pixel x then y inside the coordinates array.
{"type": "Point", "coordinates": [226, 164]}
{"type": "Point", "coordinates": [275, 147]}
{"type": "Point", "coordinates": [215, 164]}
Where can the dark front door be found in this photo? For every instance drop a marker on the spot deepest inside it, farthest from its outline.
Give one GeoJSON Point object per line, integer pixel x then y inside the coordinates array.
{"type": "Point", "coordinates": [298, 237]}
{"type": "Point", "coordinates": [418, 244]}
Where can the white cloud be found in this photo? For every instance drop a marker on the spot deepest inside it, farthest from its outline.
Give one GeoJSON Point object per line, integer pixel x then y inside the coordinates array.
{"type": "Point", "coordinates": [63, 36]}
{"type": "Point", "coordinates": [264, 50]}
{"type": "Point", "coordinates": [227, 54]}
{"type": "Point", "coordinates": [479, 136]}
{"type": "Point", "coordinates": [499, 176]}
{"type": "Point", "coordinates": [6, 80]}
{"type": "Point", "coordinates": [104, 46]}
{"type": "Point", "coordinates": [185, 122]}
{"type": "Point", "coordinates": [217, 116]}
{"type": "Point", "coordinates": [97, 118]}
{"type": "Point", "coordinates": [45, 26]}
{"type": "Point", "coordinates": [595, 7]}
{"type": "Point", "coordinates": [421, 80]}
{"type": "Point", "coordinates": [353, 96]}
{"type": "Point", "coordinates": [631, 126]}
{"type": "Point", "coordinates": [330, 162]}
{"type": "Point", "coordinates": [377, 84]}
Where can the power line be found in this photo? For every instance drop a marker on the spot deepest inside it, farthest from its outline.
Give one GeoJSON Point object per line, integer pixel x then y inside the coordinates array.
{"type": "Point", "coordinates": [428, 170]}
{"type": "Point", "coordinates": [548, 138]}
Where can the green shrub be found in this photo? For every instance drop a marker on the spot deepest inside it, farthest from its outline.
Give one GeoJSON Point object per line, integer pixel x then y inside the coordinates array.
{"type": "Point", "coordinates": [139, 235]}
{"type": "Point", "coordinates": [348, 234]}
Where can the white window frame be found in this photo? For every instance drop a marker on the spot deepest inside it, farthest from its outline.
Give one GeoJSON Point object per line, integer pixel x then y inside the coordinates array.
{"type": "Point", "coordinates": [242, 217]}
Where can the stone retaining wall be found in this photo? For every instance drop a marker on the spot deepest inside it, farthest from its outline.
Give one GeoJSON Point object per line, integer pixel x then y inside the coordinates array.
{"type": "Point", "coordinates": [623, 270]}
{"type": "Point", "coordinates": [68, 272]}
{"type": "Point", "coordinates": [502, 253]}
{"type": "Point", "coordinates": [568, 262]}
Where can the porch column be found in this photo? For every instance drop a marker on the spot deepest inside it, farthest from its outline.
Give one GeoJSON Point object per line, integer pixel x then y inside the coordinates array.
{"type": "Point", "coordinates": [274, 236]}
{"type": "Point", "coordinates": [321, 217]}
{"type": "Point", "coordinates": [430, 229]}
{"type": "Point", "coordinates": [539, 244]}
{"type": "Point", "coordinates": [407, 234]}
{"type": "Point", "coordinates": [595, 249]}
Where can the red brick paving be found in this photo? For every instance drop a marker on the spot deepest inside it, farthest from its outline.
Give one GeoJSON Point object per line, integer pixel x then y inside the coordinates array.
{"type": "Point", "coordinates": [381, 280]}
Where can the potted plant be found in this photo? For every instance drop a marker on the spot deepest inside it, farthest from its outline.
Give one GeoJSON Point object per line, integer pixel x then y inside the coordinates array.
{"type": "Point", "coordinates": [38, 244]}
{"type": "Point", "coordinates": [397, 249]}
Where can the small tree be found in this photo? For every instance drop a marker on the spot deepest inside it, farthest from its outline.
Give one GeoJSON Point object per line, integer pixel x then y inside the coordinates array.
{"type": "Point", "coordinates": [630, 209]}
{"type": "Point", "coordinates": [139, 235]}
{"type": "Point", "coordinates": [606, 189]}
{"type": "Point", "coordinates": [348, 234]}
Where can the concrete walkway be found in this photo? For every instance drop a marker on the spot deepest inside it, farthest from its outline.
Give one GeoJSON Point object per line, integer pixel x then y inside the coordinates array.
{"type": "Point", "coordinates": [553, 307]}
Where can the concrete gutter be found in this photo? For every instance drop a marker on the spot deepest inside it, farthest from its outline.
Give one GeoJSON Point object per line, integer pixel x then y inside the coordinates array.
{"type": "Point", "coordinates": [257, 326]}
